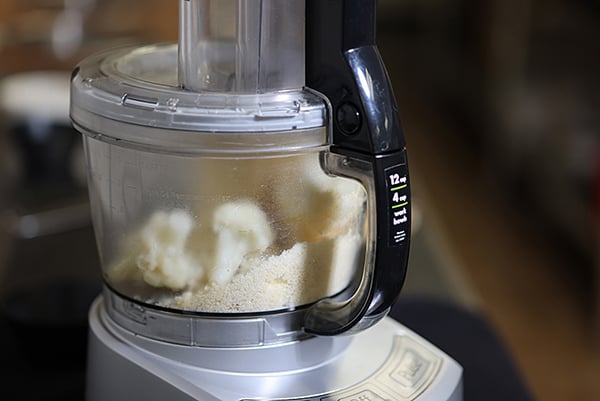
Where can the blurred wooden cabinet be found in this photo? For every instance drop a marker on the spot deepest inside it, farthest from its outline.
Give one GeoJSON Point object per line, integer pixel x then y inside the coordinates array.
{"type": "Point", "coordinates": [33, 31]}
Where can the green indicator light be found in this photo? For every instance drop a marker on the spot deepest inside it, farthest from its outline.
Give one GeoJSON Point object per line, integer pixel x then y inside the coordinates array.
{"type": "Point", "coordinates": [398, 188]}
{"type": "Point", "coordinates": [400, 205]}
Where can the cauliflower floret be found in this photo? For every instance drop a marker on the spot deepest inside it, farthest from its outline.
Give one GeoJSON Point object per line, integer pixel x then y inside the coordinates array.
{"type": "Point", "coordinates": [158, 253]}
{"type": "Point", "coordinates": [241, 229]}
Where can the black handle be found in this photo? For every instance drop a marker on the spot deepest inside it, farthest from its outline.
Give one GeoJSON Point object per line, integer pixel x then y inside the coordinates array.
{"type": "Point", "coordinates": [343, 64]}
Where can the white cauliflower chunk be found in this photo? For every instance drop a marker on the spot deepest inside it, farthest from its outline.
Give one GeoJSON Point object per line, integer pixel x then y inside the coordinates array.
{"type": "Point", "coordinates": [241, 229]}
{"type": "Point", "coordinates": [162, 258]}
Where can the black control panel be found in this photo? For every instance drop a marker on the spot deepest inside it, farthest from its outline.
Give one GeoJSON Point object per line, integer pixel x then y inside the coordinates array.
{"type": "Point", "coordinates": [399, 204]}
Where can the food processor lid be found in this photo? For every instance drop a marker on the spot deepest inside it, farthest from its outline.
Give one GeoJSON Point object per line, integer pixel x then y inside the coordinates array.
{"type": "Point", "coordinates": [238, 68]}
{"type": "Point", "coordinates": [139, 86]}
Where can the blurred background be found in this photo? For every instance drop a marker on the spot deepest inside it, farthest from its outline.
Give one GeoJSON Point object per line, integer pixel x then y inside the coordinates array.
{"type": "Point", "coordinates": [499, 100]}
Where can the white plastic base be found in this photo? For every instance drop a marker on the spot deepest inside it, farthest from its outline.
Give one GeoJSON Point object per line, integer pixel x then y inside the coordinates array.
{"type": "Point", "coordinates": [386, 362]}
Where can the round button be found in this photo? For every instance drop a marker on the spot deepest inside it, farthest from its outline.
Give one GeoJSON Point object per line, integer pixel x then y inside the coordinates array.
{"type": "Point", "coordinates": [348, 118]}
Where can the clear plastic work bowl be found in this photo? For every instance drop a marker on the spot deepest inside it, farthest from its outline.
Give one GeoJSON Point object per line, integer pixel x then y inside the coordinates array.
{"type": "Point", "coordinates": [223, 234]}
{"type": "Point", "coordinates": [212, 202]}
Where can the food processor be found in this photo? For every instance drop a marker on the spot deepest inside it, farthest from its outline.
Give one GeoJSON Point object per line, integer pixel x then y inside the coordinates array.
{"type": "Point", "coordinates": [250, 198]}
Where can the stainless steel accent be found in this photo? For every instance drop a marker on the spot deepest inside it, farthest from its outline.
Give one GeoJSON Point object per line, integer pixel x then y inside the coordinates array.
{"type": "Point", "coordinates": [387, 362]}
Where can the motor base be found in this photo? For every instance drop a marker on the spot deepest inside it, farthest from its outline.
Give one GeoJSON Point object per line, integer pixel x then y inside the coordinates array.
{"type": "Point", "coordinates": [385, 362]}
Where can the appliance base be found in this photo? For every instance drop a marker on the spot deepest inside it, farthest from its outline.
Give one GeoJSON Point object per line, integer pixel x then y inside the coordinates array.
{"type": "Point", "coordinates": [384, 363]}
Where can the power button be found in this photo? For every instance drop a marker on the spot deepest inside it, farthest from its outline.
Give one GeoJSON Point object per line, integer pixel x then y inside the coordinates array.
{"type": "Point", "coordinates": [348, 118]}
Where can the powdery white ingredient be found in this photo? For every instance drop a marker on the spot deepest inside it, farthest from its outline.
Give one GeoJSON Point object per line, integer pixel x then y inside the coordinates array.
{"type": "Point", "coordinates": [294, 277]}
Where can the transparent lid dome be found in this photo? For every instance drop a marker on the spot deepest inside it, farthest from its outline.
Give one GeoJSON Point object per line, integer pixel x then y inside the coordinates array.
{"type": "Point", "coordinates": [238, 71]}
